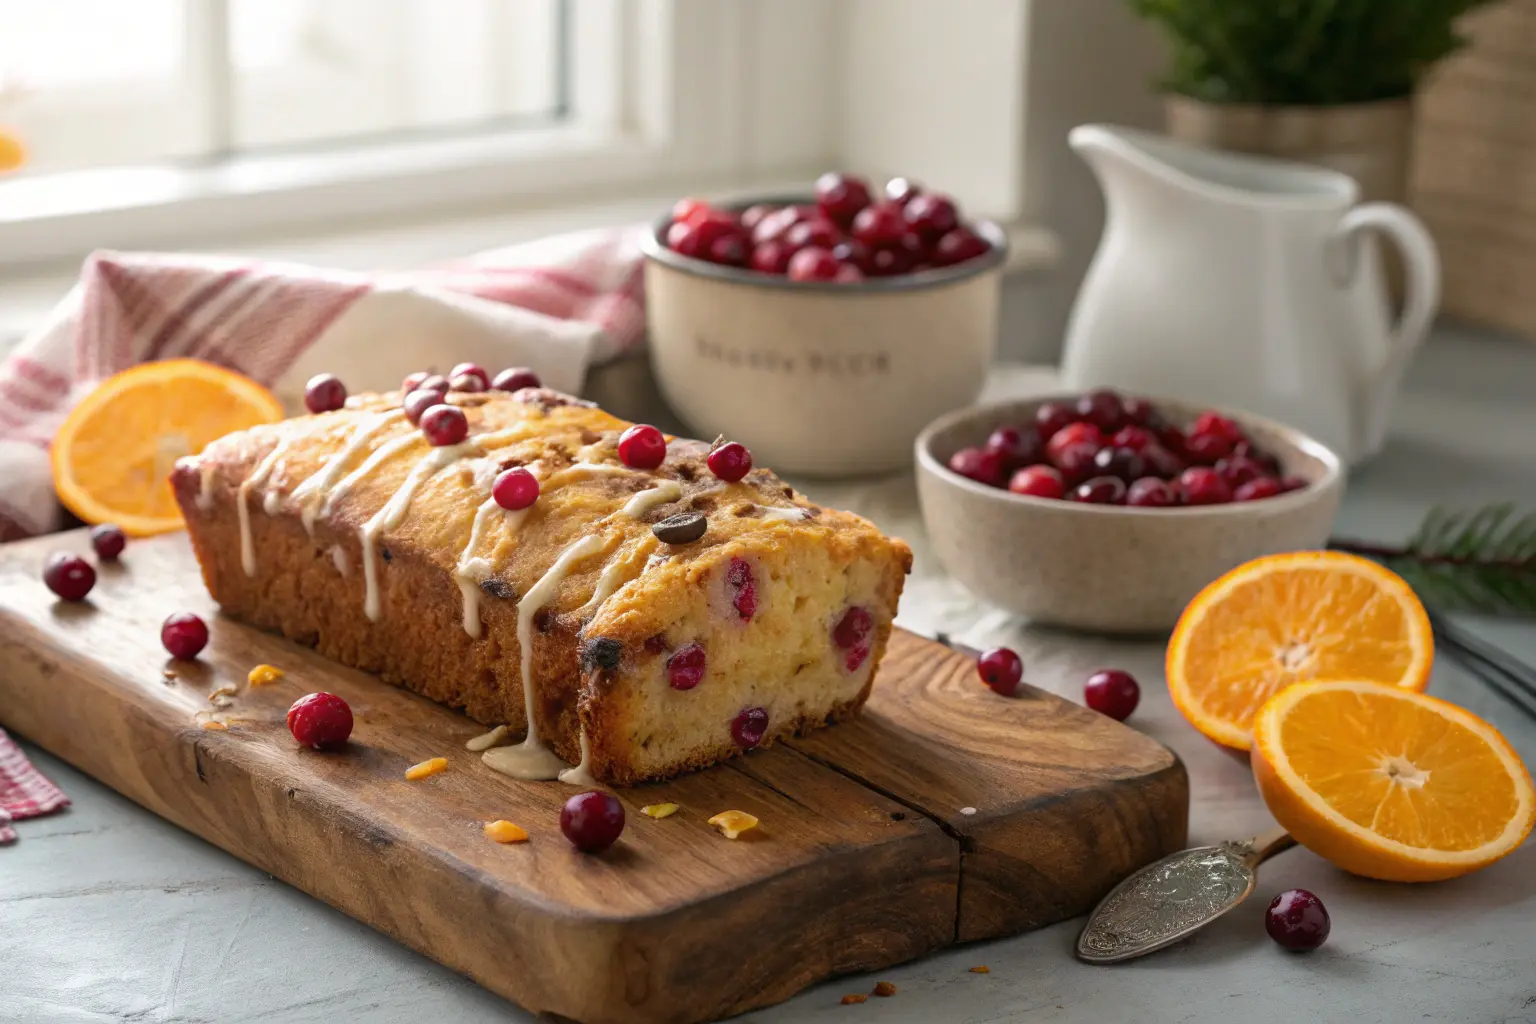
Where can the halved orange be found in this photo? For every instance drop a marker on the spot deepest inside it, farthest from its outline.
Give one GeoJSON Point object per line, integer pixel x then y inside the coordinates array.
{"type": "Point", "coordinates": [113, 454]}
{"type": "Point", "coordinates": [1286, 618]}
{"type": "Point", "coordinates": [1389, 783]}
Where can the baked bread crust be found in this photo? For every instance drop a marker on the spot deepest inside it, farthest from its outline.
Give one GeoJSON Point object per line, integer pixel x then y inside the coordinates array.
{"type": "Point", "coordinates": [331, 501]}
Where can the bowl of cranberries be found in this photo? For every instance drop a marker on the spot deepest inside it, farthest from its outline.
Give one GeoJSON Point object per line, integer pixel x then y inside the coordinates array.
{"type": "Point", "coordinates": [1110, 512]}
{"type": "Point", "coordinates": [853, 313]}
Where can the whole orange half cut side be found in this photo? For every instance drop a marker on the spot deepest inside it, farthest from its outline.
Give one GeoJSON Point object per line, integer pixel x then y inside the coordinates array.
{"type": "Point", "coordinates": [114, 452]}
{"type": "Point", "coordinates": [1285, 619]}
{"type": "Point", "coordinates": [1389, 783]}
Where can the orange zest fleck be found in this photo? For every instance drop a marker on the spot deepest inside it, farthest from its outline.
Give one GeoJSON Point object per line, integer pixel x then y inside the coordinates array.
{"type": "Point", "coordinates": [884, 988]}
{"type": "Point", "coordinates": [429, 767]}
{"type": "Point", "coordinates": [981, 969]}
{"type": "Point", "coordinates": [733, 823]}
{"type": "Point", "coordinates": [659, 810]}
{"type": "Point", "coordinates": [261, 675]}
{"type": "Point", "coordinates": [213, 725]}
{"type": "Point", "coordinates": [504, 831]}
{"type": "Point", "coordinates": [854, 997]}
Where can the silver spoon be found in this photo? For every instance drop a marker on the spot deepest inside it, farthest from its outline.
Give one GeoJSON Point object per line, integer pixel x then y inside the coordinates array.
{"type": "Point", "coordinates": [1182, 893]}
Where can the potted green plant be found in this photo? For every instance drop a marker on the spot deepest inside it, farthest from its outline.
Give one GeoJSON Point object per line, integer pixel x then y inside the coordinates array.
{"type": "Point", "coordinates": [1329, 82]}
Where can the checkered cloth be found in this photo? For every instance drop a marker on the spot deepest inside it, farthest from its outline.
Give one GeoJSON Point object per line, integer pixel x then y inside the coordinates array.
{"type": "Point", "coordinates": [24, 793]}
{"type": "Point", "coordinates": [558, 305]}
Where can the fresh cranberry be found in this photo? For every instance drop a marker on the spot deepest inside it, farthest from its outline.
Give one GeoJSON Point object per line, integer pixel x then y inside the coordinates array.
{"type": "Point", "coordinates": [324, 393]}
{"type": "Point", "coordinates": [980, 464]}
{"type": "Point", "coordinates": [891, 261]}
{"type": "Point", "coordinates": [467, 383]}
{"type": "Point", "coordinates": [841, 196]}
{"type": "Point", "coordinates": [1037, 482]}
{"type": "Point", "coordinates": [1297, 920]}
{"type": "Point", "coordinates": [686, 240]}
{"type": "Point", "coordinates": [515, 378]}
{"type": "Point", "coordinates": [419, 401]}
{"type": "Point", "coordinates": [413, 381]}
{"type": "Point", "coordinates": [69, 576]}
{"type": "Point", "coordinates": [1138, 411]}
{"type": "Point", "coordinates": [847, 273]}
{"type": "Point", "coordinates": [853, 628]}
{"type": "Point", "coordinates": [515, 489]}
{"type": "Point", "coordinates": [1171, 437]}
{"type": "Point", "coordinates": [958, 246]}
{"type": "Point", "coordinates": [1103, 409]}
{"type": "Point", "coordinates": [1161, 462]}
{"type": "Point", "coordinates": [1075, 462]}
{"type": "Point", "coordinates": [444, 425]}
{"type": "Point", "coordinates": [902, 190]}
{"type": "Point", "coordinates": [434, 382]}
{"type": "Point", "coordinates": [1100, 490]}
{"type": "Point", "coordinates": [852, 252]}
{"type": "Point", "coordinates": [320, 721]}
{"type": "Point", "coordinates": [1112, 692]}
{"type": "Point", "coordinates": [1204, 486]}
{"type": "Point", "coordinates": [813, 264]}
{"type": "Point", "coordinates": [1133, 437]}
{"type": "Point", "coordinates": [1001, 669]}
{"type": "Point", "coordinates": [1018, 447]}
{"type": "Point", "coordinates": [1071, 436]}
{"type": "Point", "coordinates": [685, 669]}
{"type": "Point", "coordinates": [730, 462]}
{"type": "Point", "coordinates": [748, 727]}
{"type": "Point", "coordinates": [1258, 489]}
{"type": "Point", "coordinates": [642, 446]}
{"type": "Point", "coordinates": [1206, 449]}
{"type": "Point", "coordinates": [773, 226]}
{"type": "Point", "coordinates": [753, 214]}
{"type": "Point", "coordinates": [1217, 425]}
{"type": "Point", "coordinates": [109, 540]}
{"type": "Point", "coordinates": [738, 577]}
{"type": "Point", "coordinates": [728, 250]}
{"type": "Point", "coordinates": [1266, 459]}
{"type": "Point", "coordinates": [931, 215]}
{"type": "Point", "coordinates": [823, 234]}
{"type": "Point", "coordinates": [1051, 417]}
{"type": "Point", "coordinates": [184, 635]}
{"type": "Point", "coordinates": [592, 821]}
{"type": "Point", "coordinates": [1119, 462]}
{"type": "Point", "coordinates": [1292, 483]}
{"type": "Point", "coordinates": [1150, 492]}
{"type": "Point", "coordinates": [688, 210]}
{"type": "Point", "coordinates": [880, 224]}
{"type": "Point", "coordinates": [1237, 470]}
{"type": "Point", "coordinates": [471, 370]}
{"type": "Point", "coordinates": [771, 257]}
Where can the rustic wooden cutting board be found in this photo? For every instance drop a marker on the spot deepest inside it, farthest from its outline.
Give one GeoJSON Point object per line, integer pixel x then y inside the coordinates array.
{"type": "Point", "coordinates": [866, 856]}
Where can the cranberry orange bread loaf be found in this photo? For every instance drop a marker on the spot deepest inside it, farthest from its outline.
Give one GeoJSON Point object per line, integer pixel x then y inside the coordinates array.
{"type": "Point", "coordinates": [638, 622]}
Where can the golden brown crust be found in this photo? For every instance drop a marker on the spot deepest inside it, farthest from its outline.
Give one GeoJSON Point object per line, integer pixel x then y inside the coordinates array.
{"type": "Point", "coordinates": [589, 657]}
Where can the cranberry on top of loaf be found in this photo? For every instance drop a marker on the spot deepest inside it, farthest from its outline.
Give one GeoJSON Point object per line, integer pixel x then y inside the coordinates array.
{"type": "Point", "coordinates": [642, 621]}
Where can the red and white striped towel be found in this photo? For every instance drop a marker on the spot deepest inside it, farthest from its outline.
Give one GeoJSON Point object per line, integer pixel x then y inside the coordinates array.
{"type": "Point", "coordinates": [24, 792]}
{"type": "Point", "coordinates": [558, 305]}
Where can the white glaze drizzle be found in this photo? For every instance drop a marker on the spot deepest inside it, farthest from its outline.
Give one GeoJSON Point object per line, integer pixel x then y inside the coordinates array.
{"type": "Point", "coordinates": [205, 483]}
{"type": "Point", "coordinates": [485, 741]}
{"type": "Point", "coordinates": [317, 489]}
{"type": "Point", "coordinates": [597, 469]}
{"type": "Point", "coordinates": [393, 512]}
{"type": "Point", "coordinates": [272, 502]}
{"type": "Point", "coordinates": [470, 570]}
{"type": "Point", "coordinates": [532, 759]}
{"type": "Point", "coordinates": [793, 514]}
{"type": "Point", "coordinates": [242, 509]}
{"type": "Point", "coordinates": [339, 559]}
{"type": "Point", "coordinates": [581, 775]}
{"type": "Point", "coordinates": [643, 502]}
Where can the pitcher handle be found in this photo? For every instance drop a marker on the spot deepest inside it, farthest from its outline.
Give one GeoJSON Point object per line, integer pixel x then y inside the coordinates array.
{"type": "Point", "coordinates": [1422, 262]}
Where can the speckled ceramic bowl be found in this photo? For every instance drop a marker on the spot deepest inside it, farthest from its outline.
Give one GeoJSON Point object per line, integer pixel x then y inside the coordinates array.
{"type": "Point", "coordinates": [820, 379]}
{"type": "Point", "coordinates": [1103, 567]}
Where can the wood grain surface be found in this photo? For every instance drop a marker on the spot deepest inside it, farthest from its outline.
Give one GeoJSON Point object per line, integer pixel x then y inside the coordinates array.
{"type": "Point", "coordinates": [865, 857]}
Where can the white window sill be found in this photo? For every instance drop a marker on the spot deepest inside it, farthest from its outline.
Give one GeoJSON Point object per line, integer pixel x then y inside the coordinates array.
{"type": "Point", "coordinates": [26, 297]}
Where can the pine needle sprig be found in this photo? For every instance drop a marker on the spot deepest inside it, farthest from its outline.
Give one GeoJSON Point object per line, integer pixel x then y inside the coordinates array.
{"type": "Point", "coordinates": [1475, 560]}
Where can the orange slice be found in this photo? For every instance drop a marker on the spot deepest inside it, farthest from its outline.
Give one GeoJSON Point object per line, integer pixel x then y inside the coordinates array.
{"type": "Point", "coordinates": [1283, 619]}
{"type": "Point", "coordinates": [114, 452]}
{"type": "Point", "coordinates": [1389, 783]}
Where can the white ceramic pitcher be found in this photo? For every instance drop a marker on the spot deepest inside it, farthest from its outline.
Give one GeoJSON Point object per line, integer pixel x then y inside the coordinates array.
{"type": "Point", "coordinates": [1249, 283]}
